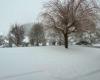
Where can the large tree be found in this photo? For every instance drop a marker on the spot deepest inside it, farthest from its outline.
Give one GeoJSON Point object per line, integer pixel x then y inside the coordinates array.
{"type": "Point", "coordinates": [68, 16]}
{"type": "Point", "coordinates": [16, 34]}
{"type": "Point", "coordinates": [37, 34]}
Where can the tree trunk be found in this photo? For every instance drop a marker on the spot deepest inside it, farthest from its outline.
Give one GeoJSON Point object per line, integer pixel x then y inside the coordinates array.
{"type": "Point", "coordinates": [10, 42]}
{"type": "Point", "coordinates": [37, 43]}
{"type": "Point", "coordinates": [17, 45]}
{"type": "Point", "coordinates": [59, 43]}
{"type": "Point", "coordinates": [66, 40]}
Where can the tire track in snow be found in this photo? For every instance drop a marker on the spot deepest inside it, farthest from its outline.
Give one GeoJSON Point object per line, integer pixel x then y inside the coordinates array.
{"type": "Point", "coordinates": [19, 75]}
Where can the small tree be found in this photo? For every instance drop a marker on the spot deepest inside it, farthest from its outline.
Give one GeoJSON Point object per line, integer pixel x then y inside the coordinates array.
{"type": "Point", "coordinates": [68, 16]}
{"type": "Point", "coordinates": [36, 35]}
{"type": "Point", "coordinates": [16, 35]}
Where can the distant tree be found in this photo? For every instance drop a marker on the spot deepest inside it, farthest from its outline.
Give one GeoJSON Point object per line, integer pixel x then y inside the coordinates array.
{"type": "Point", "coordinates": [68, 16]}
{"type": "Point", "coordinates": [55, 38]}
{"type": "Point", "coordinates": [37, 34]}
{"type": "Point", "coordinates": [97, 34]}
{"type": "Point", "coordinates": [89, 37]}
{"type": "Point", "coordinates": [52, 38]}
{"type": "Point", "coordinates": [1, 39]}
{"type": "Point", "coordinates": [16, 35]}
{"type": "Point", "coordinates": [26, 42]}
{"type": "Point", "coordinates": [10, 39]}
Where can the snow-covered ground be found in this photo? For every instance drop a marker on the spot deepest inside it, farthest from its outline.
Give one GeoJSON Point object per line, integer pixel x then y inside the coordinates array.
{"type": "Point", "coordinates": [96, 45]}
{"type": "Point", "coordinates": [50, 63]}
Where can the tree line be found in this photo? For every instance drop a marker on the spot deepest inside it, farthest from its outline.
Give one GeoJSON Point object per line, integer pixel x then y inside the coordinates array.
{"type": "Point", "coordinates": [65, 21]}
{"type": "Point", "coordinates": [39, 36]}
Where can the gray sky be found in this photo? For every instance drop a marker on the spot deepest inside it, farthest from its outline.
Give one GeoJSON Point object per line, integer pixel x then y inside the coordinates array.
{"type": "Point", "coordinates": [18, 11]}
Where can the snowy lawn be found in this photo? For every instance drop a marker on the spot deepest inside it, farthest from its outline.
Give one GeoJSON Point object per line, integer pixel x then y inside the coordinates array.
{"type": "Point", "coordinates": [50, 63]}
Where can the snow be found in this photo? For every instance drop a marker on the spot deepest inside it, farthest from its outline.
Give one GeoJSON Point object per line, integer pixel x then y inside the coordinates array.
{"type": "Point", "coordinates": [6, 41]}
{"type": "Point", "coordinates": [96, 45]}
{"type": "Point", "coordinates": [50, 63]}
{"type": "Point", "coordinates": [26, 39]}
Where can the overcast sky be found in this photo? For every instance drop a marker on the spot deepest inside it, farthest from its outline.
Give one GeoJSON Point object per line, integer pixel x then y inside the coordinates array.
{"type": "Point", "coordinates": [18, 11]}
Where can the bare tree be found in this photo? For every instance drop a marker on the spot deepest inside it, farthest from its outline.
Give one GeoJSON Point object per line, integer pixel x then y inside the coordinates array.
{"type": "Point", "coordinates": [36, 35]}
{"type": "Point", "coordinates": [68, 16]}
{"type": "Point", "coordinates": [16, 35]}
